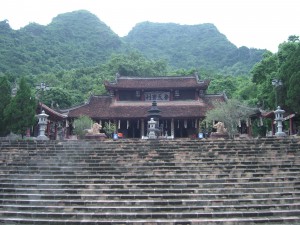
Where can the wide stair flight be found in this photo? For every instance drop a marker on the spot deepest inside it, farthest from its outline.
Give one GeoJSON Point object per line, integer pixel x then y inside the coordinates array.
{"type": "Point", "coordinates": [178, 181]}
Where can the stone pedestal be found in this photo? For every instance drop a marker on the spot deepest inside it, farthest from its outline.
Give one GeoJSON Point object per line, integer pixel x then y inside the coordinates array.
{"type": "Point", "coordinates": [100, 136]}
{"type": "Point", "coordinates": [216, 135]}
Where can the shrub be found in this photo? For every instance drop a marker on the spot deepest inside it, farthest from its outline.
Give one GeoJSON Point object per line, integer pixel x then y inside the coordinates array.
{"type": "Point", "coordinates": [81, 125]}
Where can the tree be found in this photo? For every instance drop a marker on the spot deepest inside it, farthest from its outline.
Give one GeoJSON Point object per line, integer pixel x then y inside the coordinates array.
{"type": "Point", "coordinates": [230, 113]}
{"type": "Point", "coordinates": [289, 74]}
{"type": "Point", "coordinates": [57, 97]}
{"type": "Point", "coordinates": [262, 75]}
{"type": "Point", "coordinates": [135, 64]}
{"type": "Point", "coordinates": [20, 113]}
{"type": "Point", "coordinates": [5, 98]}
{"type": "Point", "coordinates": [293, 100]}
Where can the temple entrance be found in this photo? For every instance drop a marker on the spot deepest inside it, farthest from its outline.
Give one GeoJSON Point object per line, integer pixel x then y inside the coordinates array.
{"type": "Point", "coordinates": [130, 128]}
{"type": "Point", "coordinates": [185, 128]}
{"type": "Point", "coordinates": [165, 126]}
{"type": "Point", "coordinates": [180, 130]}
{"type": "Point", "coordinates": [134, 129]}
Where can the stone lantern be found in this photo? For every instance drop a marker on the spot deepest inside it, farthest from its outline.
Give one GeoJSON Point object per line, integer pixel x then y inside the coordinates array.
{"type": "Point", "coordinates": [279, 119]}
{"type": "Point", "coordinates": [152, 130]}
{"type": "Point", "coordinates": [42, 125]}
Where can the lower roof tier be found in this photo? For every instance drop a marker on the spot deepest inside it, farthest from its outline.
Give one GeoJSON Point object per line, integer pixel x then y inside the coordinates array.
{"type": "Point", "coordinates": [104, 107]}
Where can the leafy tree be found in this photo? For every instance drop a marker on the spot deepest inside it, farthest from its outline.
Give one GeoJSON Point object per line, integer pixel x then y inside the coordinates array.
{"type": "Point", "coordinates": [293, 38]}
{"type": "Point", "coordinates": [262, 75]}
{"type": "Point", "coordinates": [81, 124]}
{"type": "Point", "coordinates": [57, 98]}
{"type": "Point", "coordinates": [135, 64]}
{"type": "Point", "coordinates": [20, 113]}
{"type": "Point", "coordinates": [289, 74]}
{"type": "Point", "coordinates": [229, 113]}
{"type": "Point", "coordinates": [5, 98]}
{"type": "Point", "coordinates": [283, 65]}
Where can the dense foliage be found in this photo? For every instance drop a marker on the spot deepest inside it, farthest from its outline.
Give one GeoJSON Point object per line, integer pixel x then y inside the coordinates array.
{"type": "Point", "coordinates": [79, 39]}
{"type": "Point", "coordinates": [74, 86]}
{"type": "Point", "coordinates": [5, 98]}
{"type": "Point", "coordinates": [284, 66]}
{"type": "Point", "coordinates": [72, 40]}
{"type": "Point", "coordinates": [186, 46]}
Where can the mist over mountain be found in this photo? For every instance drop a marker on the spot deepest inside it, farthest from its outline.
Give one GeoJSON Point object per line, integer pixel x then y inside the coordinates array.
{"type": "Point", "coordinates": [79, 39]}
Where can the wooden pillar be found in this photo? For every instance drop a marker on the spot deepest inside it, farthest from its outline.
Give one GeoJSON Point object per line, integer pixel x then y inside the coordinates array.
{"type": "Point", "coordinates": [291, 126]}
{"type": "Point", "coordinates": [172, 128]}
{"type": "Point", "coordinates": [55, 131]}
{"type": "Point", "coordinates": [142, 128]}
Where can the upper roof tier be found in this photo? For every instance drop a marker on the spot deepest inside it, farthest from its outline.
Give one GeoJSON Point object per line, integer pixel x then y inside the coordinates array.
{"type": "Point", "coordinates": [168, 82]}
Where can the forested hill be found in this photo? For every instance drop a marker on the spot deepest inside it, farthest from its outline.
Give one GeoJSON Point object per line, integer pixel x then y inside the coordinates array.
{"type": "Point", "coordinates": [186, 46]}
{"type": "Point", "coordinates": [72, 40]}
{"type": "Point", "coordinates": [79, 40]}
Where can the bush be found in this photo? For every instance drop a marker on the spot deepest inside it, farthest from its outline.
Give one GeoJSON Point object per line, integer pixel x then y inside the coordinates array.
{"type": "Point", "coordinates": [81, 124]}
{"type": "Point", "coordinates": [109, 128]}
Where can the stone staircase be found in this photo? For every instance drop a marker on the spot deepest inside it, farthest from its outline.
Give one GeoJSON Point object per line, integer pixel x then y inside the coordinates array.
{"type": "Point", "coordinates": [150, 182]}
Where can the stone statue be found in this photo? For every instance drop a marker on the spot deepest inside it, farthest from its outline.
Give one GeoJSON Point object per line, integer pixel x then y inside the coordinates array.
{"type": "Point", "coordinates": [220, 128]}
{"type": "Point", "coordinates": [95, 129]}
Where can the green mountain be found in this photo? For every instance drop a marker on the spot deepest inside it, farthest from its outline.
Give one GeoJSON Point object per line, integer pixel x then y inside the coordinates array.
{"type": "Point", "coordinates": [72, 40]}
{"type": "Point", "coordinates": [80, 40]}
{"type": "Point", "coordinates": [186, 46]}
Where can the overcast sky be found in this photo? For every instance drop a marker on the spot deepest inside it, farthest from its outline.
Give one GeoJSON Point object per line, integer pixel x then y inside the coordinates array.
{"type": "Point", "coordinates": [252, 23]}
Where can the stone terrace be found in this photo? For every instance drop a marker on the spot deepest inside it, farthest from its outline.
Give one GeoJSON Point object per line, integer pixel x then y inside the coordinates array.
{"type": "Point", "coordinates": [150, 182]}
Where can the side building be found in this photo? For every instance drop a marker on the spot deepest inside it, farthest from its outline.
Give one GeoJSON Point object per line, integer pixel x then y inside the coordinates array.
{"type": "Point", "coordinates": [182, 100]}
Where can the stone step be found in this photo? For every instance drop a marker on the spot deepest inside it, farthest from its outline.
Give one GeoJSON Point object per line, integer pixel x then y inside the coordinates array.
{"type": "Point", "coordinates": [212, 221]}
{"type": "Point", "coordinates": [154, 180]}
{"type": "Point", "coordinates": [161, 172]}
{"type": "Point", "coordinates": [192, 158]}
{"type": "Point", "coordinates": [161, 196]}
{"type": "Point", "coordinates": [144, 215]}
{"type": "Point", "coordinates": [94, 185]}
{"type": "Point", "coordinates": [142, 208]}
{"type": "Point", "coordinates": [92, 190]}
{"type": "Point", "coordinates": [149, 165]}
{"type": "Point", "coordinates": [71, 175]}
{"type": "Point", "coordinates": [149, 202]}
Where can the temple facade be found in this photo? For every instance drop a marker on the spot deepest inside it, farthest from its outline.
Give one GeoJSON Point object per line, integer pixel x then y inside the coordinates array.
{"type": "Point", "coordinates": [181, 100]}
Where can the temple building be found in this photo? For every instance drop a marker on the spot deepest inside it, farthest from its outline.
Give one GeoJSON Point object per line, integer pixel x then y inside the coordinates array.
{"type": "Point", "coordinates": [181, 100]}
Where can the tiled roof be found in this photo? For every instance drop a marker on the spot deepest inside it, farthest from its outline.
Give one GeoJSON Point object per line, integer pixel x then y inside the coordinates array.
{"type": "Point", "coordinates": [170, 82]}
{"type": "Point", "coordinates": [53, 115]}
{"type": "Point", "coordinates": [102, 107]}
